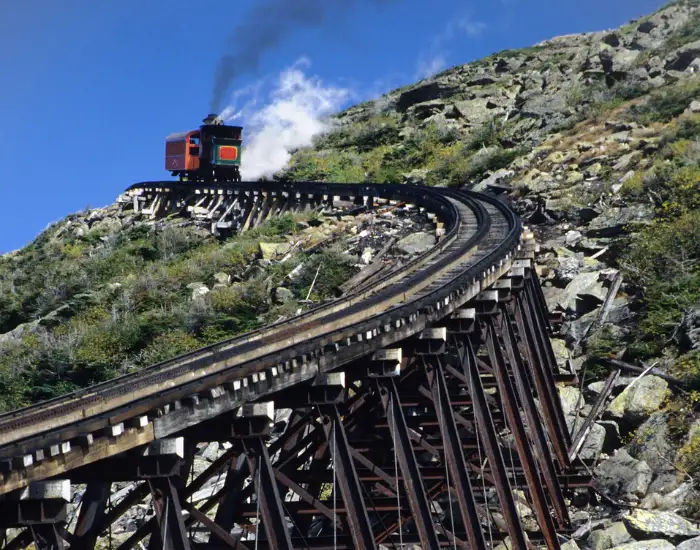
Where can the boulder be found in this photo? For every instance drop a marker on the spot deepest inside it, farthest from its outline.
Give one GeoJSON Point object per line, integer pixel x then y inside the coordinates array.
{"type": "Point", "coordinates": [561, 352]}
{"type": "Point", "coordinates": [424, 92]}
{"type": "Point", "coordinates": [366, 256]}
{"type": "Point", "coordinates": [594, 442]}
{"type": "Point", "coordinates": [210, 452]}
{"type": "Point", "coordinates": [570, 398]}
{"type": "Point", "coordinates": [683, 57]}
{"type": "Point", "coordinates": [687, 336]}
{"type": "Point", "coordinates": [622, 476]}
{"type": "Point", "coordinates": [573, 176]}
{"type": "Point", "coordinates": [648, 524]}
{"type": "Point", "coordinates": [627, 160]}
{"type": "Point", "coordinates": [692, 544]}
{"type": "Point", "coordinates": [611, 536]}
{"type": "Point", "coordinates": [270, 251]}
{"type": "Point", "coordinates": [15, 335]}
{"type": "Point", "coordinates": [651, 442]}
{"type": "Point", "coordinates": [222, 278]}
{"type": "Point", "coordinates": [612, 220]}
{"type": "Point", "coordinates": [283, 295]}
{"type": "Point", "coordinates": [199, 290]}
{"type": "Point", "coordinates": [620, 384]}
{"type": "Point", "coordinates": [107, 225]}
{"type": "Point", "coordinates": [671, 500]}
{"type": "Point", "coordinates": [639, 400]}
{"type": "Point", "coordinates": [583, 293]}
{"type": "Point", "coordinates": [538, 181]}
{"type": "Point", "coordinates": [416, 243]}
{"type": "Point", "coordinates": [499, 177]}
{"type": "Point", "coordinates": [572, 237]}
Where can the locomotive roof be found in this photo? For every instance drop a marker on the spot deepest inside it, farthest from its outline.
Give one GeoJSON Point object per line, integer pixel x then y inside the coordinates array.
{"type": "Point", "coordinates": [178, 136]}
{"type": "Point", "coordinates": [222, 130]}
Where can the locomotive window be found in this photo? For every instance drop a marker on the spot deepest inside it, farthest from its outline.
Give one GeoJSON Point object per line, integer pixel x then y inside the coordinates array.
{"type": "Point", "coordinates": [194, 140]}
{"type": "Point", "coordinates": [194, 150]}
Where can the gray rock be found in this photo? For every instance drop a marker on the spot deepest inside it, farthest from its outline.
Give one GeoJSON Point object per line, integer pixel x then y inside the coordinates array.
{"type": "Point", "coordinates": [651, 442]}
{"type": "Point", "coordinates": [570, 398]}
{"type": "Point", "coordinates": [572, 237]}
{"type": "Point", "coordinates": [578, 328]}
{"type": "Point", "coordinates": [656, 524]}
{"type": "Point", "coordinates": [210, 452]}
{"type": "Point", "coordinates": [15, 335]}
{"type": "Point", "coordinates": [622, 476]}
{"type": "Point", "coordinates": [595, 440]}
{"type": "Point", "coordinates": [683, 57]}
{"type": "Point", "coordinates": [688, 334]}
{"type": "Point", "coordinates": [199, 290]}
{"type": "Point", "coordinates": [611, 536]}
{"type": "Point", "coordinates": [283, 295]}
{"type": "Point", "coordinates": [584, 292]}
{"type": "Point", "coordinates": [626, 160]}
{"type": "Point", "coordinates": [692, 544]}
{"type": "Point", "coordinates": [416, 243]}
{"type": "Point", "coordinates": [639, 400]}
{"type": "Point", "coordinates": [499, 177]}
{"type": "Point", "coordinates": [620, 384]}
{"type": "Point", "coordinates": [569, 267]}
{"type": "Point", "coordinates": [612, 220]}
{"type": "Point", "coordinates": [222, 278]}
{"type": "Point", "coordinates": [107, 225]}
{"type": "Point", "coordinates": [672, 500]}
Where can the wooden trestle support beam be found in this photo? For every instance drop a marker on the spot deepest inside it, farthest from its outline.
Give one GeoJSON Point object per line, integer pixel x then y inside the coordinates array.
{"type": "Point", "coordinates": [437, 442]}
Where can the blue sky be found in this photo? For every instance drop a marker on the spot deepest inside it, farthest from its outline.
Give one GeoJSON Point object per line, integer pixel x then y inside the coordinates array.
{"type": "Point", "coordinates": [90, 89]}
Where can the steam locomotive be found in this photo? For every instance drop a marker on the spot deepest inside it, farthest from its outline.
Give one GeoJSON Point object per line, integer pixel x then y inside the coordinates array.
{"type": "Point", "coordinates": [211, 153]}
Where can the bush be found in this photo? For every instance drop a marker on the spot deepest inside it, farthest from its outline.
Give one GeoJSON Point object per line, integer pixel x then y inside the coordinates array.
{"type": "Point", "coordinates": [663, 259]}
{"type": "Point", "coordinates": [168, 345]}
{"type": "Point", "coordinates": [333, 269]}
{"type": "Point", "coordinates": [662, 106]}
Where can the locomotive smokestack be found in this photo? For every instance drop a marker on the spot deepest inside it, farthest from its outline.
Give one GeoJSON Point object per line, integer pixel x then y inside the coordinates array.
{"type": "Point", "coordinates": [213, 119]}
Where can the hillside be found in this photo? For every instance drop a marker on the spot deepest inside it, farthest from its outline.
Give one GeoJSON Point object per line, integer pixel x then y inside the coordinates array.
{"type": "Point", "coordinates": [596, 140]}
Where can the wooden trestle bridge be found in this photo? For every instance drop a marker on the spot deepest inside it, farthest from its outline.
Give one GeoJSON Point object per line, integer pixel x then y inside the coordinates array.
{"type": "Point", "coordinates": [419, 409]}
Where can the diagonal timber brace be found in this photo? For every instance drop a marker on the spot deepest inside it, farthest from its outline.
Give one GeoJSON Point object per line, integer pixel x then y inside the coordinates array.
{"type": "Point", "coordinates": [454, 454]}
{"type": "Point", "coordinates": [413, 484]}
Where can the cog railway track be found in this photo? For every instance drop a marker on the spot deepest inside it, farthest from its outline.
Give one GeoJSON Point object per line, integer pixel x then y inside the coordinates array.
{"type": "Point", "coordinates": [456, 283]}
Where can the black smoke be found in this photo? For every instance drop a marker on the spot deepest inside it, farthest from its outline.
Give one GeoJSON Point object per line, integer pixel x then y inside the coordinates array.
{"type": "Point", "coordinates": [265, 26]}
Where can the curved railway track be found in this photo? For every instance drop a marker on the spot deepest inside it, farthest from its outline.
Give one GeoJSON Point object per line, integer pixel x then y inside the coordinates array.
{"type": "Point", "coordinates": [481, 233]}
{"type": "Point", "coordinates": [479, 245]}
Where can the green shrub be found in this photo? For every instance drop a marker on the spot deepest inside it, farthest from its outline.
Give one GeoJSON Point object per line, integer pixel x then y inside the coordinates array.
{"type": "Point", "coordinates": [168, 345]}
{"type": "Point", "coordinates": [663, 105]}
{"type": "Point", "coordinates": [663, 259]}
{"type": "Point", "coordinates": [333, 269]}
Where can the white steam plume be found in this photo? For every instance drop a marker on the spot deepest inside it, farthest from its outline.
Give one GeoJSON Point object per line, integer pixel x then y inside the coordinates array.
{"type": "Point", "coordinates": [294, 111]}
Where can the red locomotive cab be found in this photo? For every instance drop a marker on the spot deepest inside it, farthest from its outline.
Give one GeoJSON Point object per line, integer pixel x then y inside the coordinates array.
{"type": "Point", "coordinates": [182, 151]}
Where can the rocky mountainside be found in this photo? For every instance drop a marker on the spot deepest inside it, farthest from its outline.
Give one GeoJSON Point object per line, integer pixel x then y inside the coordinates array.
{"type": "Point", "coordinates": [595, 140]}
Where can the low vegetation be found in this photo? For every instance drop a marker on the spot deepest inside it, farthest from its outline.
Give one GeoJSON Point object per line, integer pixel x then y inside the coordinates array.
{"type": "Point", "coordinates": [88, 308]}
